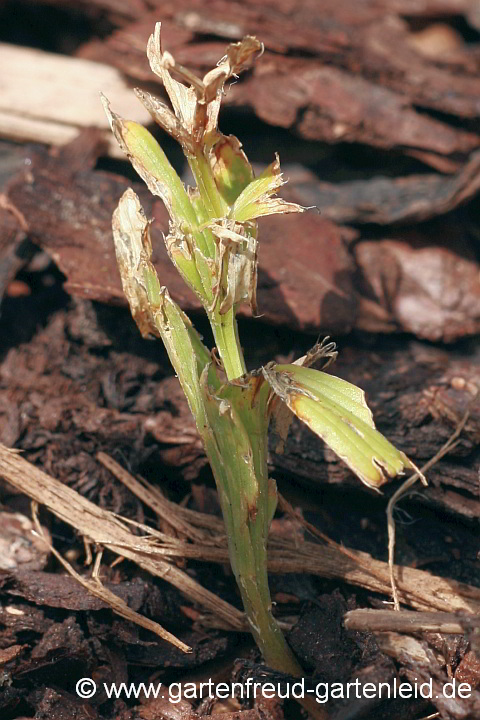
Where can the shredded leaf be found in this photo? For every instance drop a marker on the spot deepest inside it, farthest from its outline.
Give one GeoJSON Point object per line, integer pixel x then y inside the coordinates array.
{"type": "Point", "coordinates": [257, 198]}
{"type": "Point", "coordinates": [337, 412]}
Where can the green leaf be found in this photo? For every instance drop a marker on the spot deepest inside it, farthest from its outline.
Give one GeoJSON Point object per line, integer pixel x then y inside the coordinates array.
{"type": "Point", "coordinates": [230, 167]}
{"type": "Point", "coordinates": [153, 166]}
{"type": "Point", "coordinates": [337, 412]}
{"type": "Point", "coordinates": [258, 199]}
{"type": "Point", "coordinates": [280, 415]}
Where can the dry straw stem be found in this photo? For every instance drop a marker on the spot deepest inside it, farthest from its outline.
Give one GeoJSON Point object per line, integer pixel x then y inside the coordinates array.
{"type": "Point", "coordinates": [103, 528]}
{"type": "Point", "coordinates": [155, 551]}
{"type": "Point", "coordinates": [95, 587]}
{"type": "Point", "coordinates": [407, 621]}
{"type": "Point", "coordinates": [402, 490]}
{"type": "Point", "coordinates": [333, 561]}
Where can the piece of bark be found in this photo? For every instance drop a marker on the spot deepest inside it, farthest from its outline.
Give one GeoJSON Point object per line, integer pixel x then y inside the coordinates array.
{"type": "Point", "coordinates": [154, 652]}
{"type": "Point", "coordinates": [421, 665]}
{"type": "Point", "coordinates": [369, 97]}
{"type": "Point", "coordinates": [337, 106]}
{"type": "Point", "coordinates": [170, 708]}
{"type": "Point", "coordinates": [163, 709]}
{"type": "Point", "coordinates": [69, 208]}
{"type": "Point", "coordinates": [69, 212]}
{"type": "Point", "coordinates": [468, 669]}
{"type": "Point", "coordinates": [62, 639]}
{"type": "Point", "coordinates": [427, 282]}
{"type": "Point", "coordinates": [57, 704]}
{"type": "Point", "coordinates": [323, 644]}
{"type": "Point", "coordinates": [18, 619]}
{"type": "Point", "coordinates": [62, 591]}
{"type": "Point", "coordinates": [388, 58]}
{"type": "Point", "coordinates": [385, 201]}
{"type": "Point", "coordinates": [10, 653]}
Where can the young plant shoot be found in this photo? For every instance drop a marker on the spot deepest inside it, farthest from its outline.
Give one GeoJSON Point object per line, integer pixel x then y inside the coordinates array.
{"type": "Point", "coordinates": [212, 241]}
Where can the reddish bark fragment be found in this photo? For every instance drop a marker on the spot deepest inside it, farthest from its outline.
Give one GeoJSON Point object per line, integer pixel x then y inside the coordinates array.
{"type": "Point", "coordinates": [432, 291]}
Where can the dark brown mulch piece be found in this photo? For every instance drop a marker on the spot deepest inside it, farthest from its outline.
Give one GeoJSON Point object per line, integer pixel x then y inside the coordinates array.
{"type": "Point", "coordinates": [155, 653]}
{"type": "Point", "coordinates": [164, 709]}
{"type": "Point", "coordinates": [388, 201]}
{"type": "Point", "coordinates": [427, 282]}
{"type": "Point", "coordinates": [323, 645]}
{"type": "Point", "coordinates": [15, 621]}
{"type": "Point", "coordinates": [63, 591]}
{"type": "Point", "coordinates": [371, 96]}
{"type": "Point", "coordinates": [468, 669]}
{"type": "Point", "coordinates": [64, 639]}
{"type": "Point", "coordinates": [55, 704]}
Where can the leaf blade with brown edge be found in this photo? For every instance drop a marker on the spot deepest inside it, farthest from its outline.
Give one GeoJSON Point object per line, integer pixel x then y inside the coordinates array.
{"type": "Point", "coordinates": [336, 411]}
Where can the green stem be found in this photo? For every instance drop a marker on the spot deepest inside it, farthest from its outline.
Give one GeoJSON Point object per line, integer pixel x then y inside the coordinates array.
{"type": "Point", "coordinates": [265, 629]}
{"type": "Point", "coordinates": [239, 462]}
{"type": "Point", "coordinates": [202, 172]}
{"type": "Point", "coordinates": [248, 557]}
{"type": "Point", "coordinates": [225, 332]}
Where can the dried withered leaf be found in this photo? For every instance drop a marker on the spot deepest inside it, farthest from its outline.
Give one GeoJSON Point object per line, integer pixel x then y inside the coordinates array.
{"type": "Point", "coordinates": [237, 250]}
{"type": "Point", "coordinates": [197, 106]}
{"type": "Point", "coordinates": [132, 248]}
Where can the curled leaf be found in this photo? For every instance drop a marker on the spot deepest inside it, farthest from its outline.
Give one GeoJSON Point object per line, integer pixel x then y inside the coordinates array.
{"type": "Point", "coordinates": [257, 199]}
{"type": "Point", "coordinates": [337, 412]}
{"type": "Point", "coordinates": [236, 265]}
{"type": "Point", "coordinates": [165, 118]}
{"type": "Point", "coordinates": [197, 105]}
{"type": "Point", "coordinates": [133, 249]}
{"type": "Point", "coordinates": [230, 167]}
{"type": "Point", "coordinates": [280, 414]}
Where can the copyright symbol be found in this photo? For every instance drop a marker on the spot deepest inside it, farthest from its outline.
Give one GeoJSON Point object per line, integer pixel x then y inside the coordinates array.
{"type": "Point", "coordinates": [86, 688]}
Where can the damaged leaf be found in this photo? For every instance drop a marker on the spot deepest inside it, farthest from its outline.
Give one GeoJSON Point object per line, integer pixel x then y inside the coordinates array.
{"type": "Point", "coordinates": [133, 248]}
{"type": "Point", "coordinates": [257, 198]}
{"type": "Point", "coordinates": [198, 105]}
{"type": "Point", "coordinates": [280, 414]}
{"type": "Point", "coordinates": [237, 260]}
{"type": "Point", "coordinates": [152, 165]}
{"type": "Point", "coordinates": [337, 412]}
{"type": "Point", "coordinates": [152, 308]}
